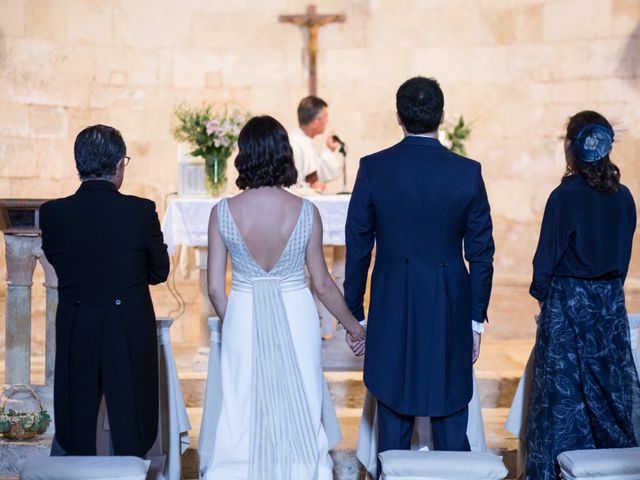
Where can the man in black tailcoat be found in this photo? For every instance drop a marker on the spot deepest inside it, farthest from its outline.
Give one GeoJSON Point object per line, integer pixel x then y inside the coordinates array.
{"type": "Point", "coordinates": [106, 248]}
{"type": "Point", "coordinates": [423, 207]}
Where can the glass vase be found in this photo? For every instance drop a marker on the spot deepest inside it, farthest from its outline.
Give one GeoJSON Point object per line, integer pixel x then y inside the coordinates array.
{"type": "Point", "coordinates": [216, 175]}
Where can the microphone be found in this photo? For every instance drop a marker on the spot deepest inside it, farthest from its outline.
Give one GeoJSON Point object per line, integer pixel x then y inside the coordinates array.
{"type": "Point", "coordinates": [343, 146]}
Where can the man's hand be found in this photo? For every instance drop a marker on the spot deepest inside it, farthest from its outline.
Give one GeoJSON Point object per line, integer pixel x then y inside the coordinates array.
{"type": "Point", "coordinates": [331, 143]}
{"type": "Point", "coordinates": [476, 347]}
{"type": "Point", "coordinates": [356, 345]}
{"type": "Point", "coordinates": [318, 186]}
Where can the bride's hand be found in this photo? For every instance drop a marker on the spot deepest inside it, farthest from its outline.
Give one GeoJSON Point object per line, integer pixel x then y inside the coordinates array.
{"type": "Point", "coordinates": [357, 332]}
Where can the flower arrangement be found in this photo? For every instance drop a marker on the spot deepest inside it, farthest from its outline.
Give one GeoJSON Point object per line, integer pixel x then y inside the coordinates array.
{"type": "Point", "coordinates": [23, 425]}
{"type": "Point", "coordinates": [455, 134]}
{"type": "Point", "coordinates": [213, 136]}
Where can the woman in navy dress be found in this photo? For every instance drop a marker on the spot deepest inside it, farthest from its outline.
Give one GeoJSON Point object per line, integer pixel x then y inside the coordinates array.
{"type": "Point", "coordinates": [585, 391]}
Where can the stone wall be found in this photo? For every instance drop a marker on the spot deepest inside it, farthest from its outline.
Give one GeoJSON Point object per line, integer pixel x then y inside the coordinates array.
{"type": "Point", "coordinates": [515, 68]}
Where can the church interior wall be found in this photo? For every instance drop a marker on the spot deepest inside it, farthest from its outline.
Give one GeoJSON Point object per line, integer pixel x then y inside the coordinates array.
{"type": "Point", "coordinates": [516, 69]}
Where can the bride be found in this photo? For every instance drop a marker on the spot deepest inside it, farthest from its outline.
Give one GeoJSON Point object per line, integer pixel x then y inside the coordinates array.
{"type": "Point", "coordinates": [270, 425]}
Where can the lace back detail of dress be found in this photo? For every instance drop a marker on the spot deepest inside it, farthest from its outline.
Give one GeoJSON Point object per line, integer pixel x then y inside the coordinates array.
{"type": "Point", "coordinates": [290, 262]}
{"type": "Point", "coordinates": [284, 443]}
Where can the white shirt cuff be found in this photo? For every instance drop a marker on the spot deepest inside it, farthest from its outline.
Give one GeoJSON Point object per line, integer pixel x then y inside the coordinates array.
{"type": "Point", "coordinates": [477, 326]}
{"type": "Point", "coordinates": [363, 322]}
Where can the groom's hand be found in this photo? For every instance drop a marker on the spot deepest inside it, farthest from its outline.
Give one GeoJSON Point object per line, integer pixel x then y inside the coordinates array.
{"type": "Point", "coordinates": [476, 346]}
{"type": "Point", "coordinates": [356, 346]}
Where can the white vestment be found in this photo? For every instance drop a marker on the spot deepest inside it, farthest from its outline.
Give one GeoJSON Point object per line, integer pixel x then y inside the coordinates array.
{"type": "Point", "coordinates": [308, 160]}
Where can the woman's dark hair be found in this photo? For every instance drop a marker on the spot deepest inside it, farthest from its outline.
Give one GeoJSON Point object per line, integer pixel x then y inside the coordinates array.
{"type": "Point", "coordinates": [265, 158]}
{"type": "Point", "coordinates": [602, 175]}
{"type": "Point", "coordinates": [420, 103]}
{"type": "Point", "coordinates": [97, 151]}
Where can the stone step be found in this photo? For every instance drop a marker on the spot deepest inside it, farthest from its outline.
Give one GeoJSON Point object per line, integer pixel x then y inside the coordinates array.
{"type": "Point", "coordinates": [346, 466]}
{"type": "Point", "coordinates": [347, 389]}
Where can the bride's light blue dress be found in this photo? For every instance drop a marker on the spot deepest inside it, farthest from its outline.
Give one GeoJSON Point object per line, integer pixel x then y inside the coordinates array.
{"type": "Point", "coordinates": [270, 425]}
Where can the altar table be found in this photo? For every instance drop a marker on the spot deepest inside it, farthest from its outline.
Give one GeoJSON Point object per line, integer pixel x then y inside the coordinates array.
{"type": "Point", "coordinates": [186, 221]}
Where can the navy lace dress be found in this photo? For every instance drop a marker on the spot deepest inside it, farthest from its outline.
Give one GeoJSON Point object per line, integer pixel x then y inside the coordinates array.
{"type": "Point", "coordinates": [585, 391]}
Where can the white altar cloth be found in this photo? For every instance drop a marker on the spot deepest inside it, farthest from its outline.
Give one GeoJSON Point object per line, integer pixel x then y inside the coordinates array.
{"type": "Point", "coordinates": [186, 220]}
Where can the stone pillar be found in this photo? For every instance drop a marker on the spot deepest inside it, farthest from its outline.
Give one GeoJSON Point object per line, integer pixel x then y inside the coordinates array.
{"type": "Point", "coordinates": [327, 322]}
{"type": "Point", "coordinates": [339, 260]}
{"type": "Point", "coordinates": [206, 309]}
{"type": "Point", "coordinates": [51, 285]}
{"type": "Point", "coordinates": [21, 255]}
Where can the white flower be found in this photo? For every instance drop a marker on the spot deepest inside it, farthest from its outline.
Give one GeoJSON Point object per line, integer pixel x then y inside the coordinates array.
{"type": "Point", "coordinates": [212, 126]}
{"type": "Point", "coordinates": [591, 142]}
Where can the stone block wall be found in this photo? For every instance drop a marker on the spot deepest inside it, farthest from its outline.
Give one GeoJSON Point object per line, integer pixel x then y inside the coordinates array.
{"type": "Point", "coordinates": [516, 69]}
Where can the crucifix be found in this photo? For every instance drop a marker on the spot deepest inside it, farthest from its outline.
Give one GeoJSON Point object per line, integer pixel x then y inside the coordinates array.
{"type": "Point", "coordinates": [312, 22]}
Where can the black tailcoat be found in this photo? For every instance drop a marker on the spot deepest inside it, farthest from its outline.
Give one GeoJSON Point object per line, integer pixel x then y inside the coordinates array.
{"type": "Point", "coordinates": [106, 248]}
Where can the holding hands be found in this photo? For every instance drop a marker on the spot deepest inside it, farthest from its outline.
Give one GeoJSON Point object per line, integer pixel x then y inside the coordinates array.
{"type": "Point", "coordinates": [355, 338]}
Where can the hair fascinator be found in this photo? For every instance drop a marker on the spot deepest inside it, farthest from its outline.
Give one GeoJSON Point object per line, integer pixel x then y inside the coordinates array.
{"type": "Point", "coordinates": [593, 143]}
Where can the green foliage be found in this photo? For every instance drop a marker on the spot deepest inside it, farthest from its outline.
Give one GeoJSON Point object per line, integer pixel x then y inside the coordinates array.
{"type": "Point", "coordinates": [457, 135]}
{"type": "Point", "coordinates": [30, 421]}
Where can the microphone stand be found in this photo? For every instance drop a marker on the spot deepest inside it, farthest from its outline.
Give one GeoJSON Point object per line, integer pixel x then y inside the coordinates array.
{"type": "Point", "coordinates": [343, 151]}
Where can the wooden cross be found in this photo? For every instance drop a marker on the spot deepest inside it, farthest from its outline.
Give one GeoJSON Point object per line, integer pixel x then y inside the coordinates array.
{"type": "Point", "coordinates": [312, 22]}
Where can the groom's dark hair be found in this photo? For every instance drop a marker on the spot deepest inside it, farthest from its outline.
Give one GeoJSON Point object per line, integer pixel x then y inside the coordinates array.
{"type": "Point", "coordinates": [420, 103]}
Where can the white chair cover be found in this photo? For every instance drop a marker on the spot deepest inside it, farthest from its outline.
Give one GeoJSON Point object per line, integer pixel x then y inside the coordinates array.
{"type": "Point", "coordinates": [83, 468]}
{"type": "Point", "coordinates": [212, 398]}
{"type": "Point", "coordinates": [600, 464]}
{"type": "Point", "coordinates": [173, 429]}
{"type": "Point", "coordinates": [368, 432]}
{"type": "Point", "coordinates": [409, 465]}
{"type": "Point", "coordinates": [173, 422]}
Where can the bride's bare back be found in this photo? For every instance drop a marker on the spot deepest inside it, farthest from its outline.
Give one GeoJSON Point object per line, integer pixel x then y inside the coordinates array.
{"type": "Point", "coordinates": [265, 218]}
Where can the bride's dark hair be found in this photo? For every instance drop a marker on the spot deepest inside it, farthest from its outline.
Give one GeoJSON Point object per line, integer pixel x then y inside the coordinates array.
{"type": "Point", "coordinates": [265, 158]}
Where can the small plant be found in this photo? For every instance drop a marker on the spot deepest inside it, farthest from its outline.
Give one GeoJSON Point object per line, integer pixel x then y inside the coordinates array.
{"type": "Point", "coordinates": [456, 134]}
{"type": "Point", "coordinates": [213, 136]}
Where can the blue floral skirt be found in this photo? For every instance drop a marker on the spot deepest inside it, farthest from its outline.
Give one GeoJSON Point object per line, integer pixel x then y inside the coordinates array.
{"type": "Point", "coordinates": [585, 391]}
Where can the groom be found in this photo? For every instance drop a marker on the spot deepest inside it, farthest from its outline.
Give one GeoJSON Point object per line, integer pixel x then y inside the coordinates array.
{"type": "Point", "coordinates": [422, 206]}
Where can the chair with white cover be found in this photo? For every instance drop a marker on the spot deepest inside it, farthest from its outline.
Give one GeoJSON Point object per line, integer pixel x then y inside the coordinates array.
{"type": "Point", "coordinates": [83, 468]}
{"type": "Point", "coordinates": [163, 459]}
{"type": "Point", "coordinates": [421, 440]}
{"type": "Point", "coordinates": [438, 465]}
{"type": "Point", "coordinates": [212, 398]}
{"type": "Point", "coordinates": [600, 464]}
{"type": "Point", "coordinates": [173, 422]}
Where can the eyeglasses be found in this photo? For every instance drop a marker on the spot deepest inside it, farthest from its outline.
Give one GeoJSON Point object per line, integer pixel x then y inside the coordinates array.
{"type": "Point", "coordinates": [126, 160]}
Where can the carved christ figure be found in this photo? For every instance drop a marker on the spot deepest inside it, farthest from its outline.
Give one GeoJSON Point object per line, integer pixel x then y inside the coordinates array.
{"type": "Point", "coordinates": [312, 22]}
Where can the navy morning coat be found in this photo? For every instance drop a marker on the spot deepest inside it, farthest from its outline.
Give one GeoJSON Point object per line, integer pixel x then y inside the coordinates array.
{"type": "Point", "coordinates": [423, 207]}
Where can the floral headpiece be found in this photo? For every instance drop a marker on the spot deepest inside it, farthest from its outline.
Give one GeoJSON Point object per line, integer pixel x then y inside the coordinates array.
{"type": "Point", "coordinates": [593, 143]}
